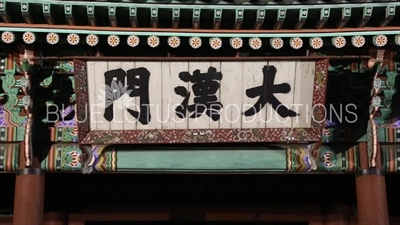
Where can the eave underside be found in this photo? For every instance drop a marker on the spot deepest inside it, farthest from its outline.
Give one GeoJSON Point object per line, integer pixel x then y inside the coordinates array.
{"type": "Point", "coordinates": [111, 16]}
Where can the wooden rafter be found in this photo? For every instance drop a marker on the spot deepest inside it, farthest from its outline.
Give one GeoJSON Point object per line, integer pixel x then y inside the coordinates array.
{"type": "Point", "coordinates": [112, 16]}
{"type": "Point", "coordinates": [280, 19]}
{"type": "Point", "coordinates": [25, 13]}
{"type": "Point", "coordinates": [346, 14]}
{"type": "Point", "coordinates": [133, 16]}
{"type": "Point", "coordinates": [303, 14]}
{"type": "Point", "coordinates": [90, 9]}
{"type": "Point", "coordinates": [3, 12]}
{"type": "Point", "coordinates": [175, 18]}
{"type": "Point", "coordinates": [367, 13]}
{"type": "Point", "coordinates": [325, 12]}
{"type": "Point", "coordinates": [154, 17]}
{"type": "Point", "coordinates": [389, 15]}
{"type": "Point", "coordinates": [260, 19]}
{"type": "Point", "coordinates": [47, 13]}
{"type": "Point", "coordinates": [239, 19]}
{"type": "Point", "coordinates": [68, 15]}
{"type": "Point", "coordinates": [196, 18]}
{"type": "Point", "coordinates": [217, 18]}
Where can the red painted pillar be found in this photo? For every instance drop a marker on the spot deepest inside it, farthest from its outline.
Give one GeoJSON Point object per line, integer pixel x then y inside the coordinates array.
{"type": "Point", "coordinates": [371, 191]}
{"type": "Point", "coordinates": [29, 197]}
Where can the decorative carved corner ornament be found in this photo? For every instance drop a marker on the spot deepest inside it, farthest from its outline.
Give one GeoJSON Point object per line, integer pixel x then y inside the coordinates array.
{"type": "Point", "coordinates": [90, 154]}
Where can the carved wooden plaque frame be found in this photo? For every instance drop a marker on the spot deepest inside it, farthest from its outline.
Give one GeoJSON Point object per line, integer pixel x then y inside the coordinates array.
{"type": "Point", "coordinates": [297, 135]}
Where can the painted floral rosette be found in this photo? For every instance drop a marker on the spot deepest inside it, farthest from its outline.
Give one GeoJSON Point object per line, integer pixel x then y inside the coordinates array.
{"type": "Point", "coordinates": [236, 42]}
{"type": "Point", "coordinates": [316, 42]}
{"type": "Point", "coordinates": [255, 43]}
{"type": "Point", "coordinates": [29, 37]}
{"type": "Point", "coordinates": [8, 37]}
{"type": "Point", "coordinates": [397, 39]}
{"type": "Point", "coordinates": [73, 39]}
{"type": "Point", "coordinates": [153, 41]}
{"type": "Point", "coordinates": [339, 42]}
{"type": "Point", "coordinates": [380, 40]}
{"type": "Point", "coordinates": [195, 42]}
{"type": "Point", "coordinates": [215, 43]}
{"type": "Point", "coordinates": [92, 40]}
{"type": "Point", "coordinates": [133, 41]}
{"type": "Point", "coordinates": [52, 38]}
{"type": "Point", "coordinates": [276, 43]}
{"type": "Point", "coordinates": [174, 42]}
{"type": "Point", "coordinates": [113, 40]}
{"type": "Point", "coordinates": [358, 41]}
{"type": "Point", "coordinates": [296, 43]}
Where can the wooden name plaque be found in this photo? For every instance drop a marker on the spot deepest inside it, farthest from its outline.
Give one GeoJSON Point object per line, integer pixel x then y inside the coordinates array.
{"type": "Point", "coordinates": [200, 101]}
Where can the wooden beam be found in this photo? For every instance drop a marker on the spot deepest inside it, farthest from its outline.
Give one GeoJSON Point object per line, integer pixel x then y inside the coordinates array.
{"type": "Point", "coordinates": [346, 14]}
{"type": "Point", "coordinates": [47, 13]}
{"type": "Point", "coordinates": [154, 17]}
{"type": "Point", "coordinates": [133, 16]}
{"type": "Point", "coordinates": [239, 19]}
{"type": "Point", "coordinates": [196, 18]}
{"type": "Point", "coordinates": [367, 13]}
{"type": "Point", "coordinates": [25, 13]}
{"type": "Point", "coordinates": [175, 18]}
{"type": "Point", "coordinates": [249, 58]}
{"type": "Point", "coordinates": [217, 18]}
{"type": "Point", "coordinates": [303, 14]}
{"type": "Point", "coordinates": [112, 16]}
{"type": "Point", "coordinates": [325, 12]}
{"type": "Point", "coordinates": [3, 12]}
{"type": "Point", "coordinates": [260, 19]}
{"type": "Point", "coordinates": [280, 19]}
{"type": "Point", "coordinates": [330, 31]}
{"type": "Point", "coordinates": [91, 15]}
{"type": "Point", "coordinates": [68, 15]}
{"type": "Point", "coordinates": [390, 13]}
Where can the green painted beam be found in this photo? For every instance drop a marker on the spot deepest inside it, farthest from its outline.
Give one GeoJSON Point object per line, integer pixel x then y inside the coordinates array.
{"type": "Point", "coordinates": [294, 158]}
{"type": "Point", "coordinates": [191, 34]}
{"type": "Point", "coordinates": [202, 160]}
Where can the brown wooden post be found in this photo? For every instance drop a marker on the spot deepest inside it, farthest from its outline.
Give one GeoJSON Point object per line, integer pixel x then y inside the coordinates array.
{"type": "Point", "coordinates": [29, 182]}
{"type": "Point", "coordinates": [371, 191]}
{"type": "Point", "coordinates": [29, 197]}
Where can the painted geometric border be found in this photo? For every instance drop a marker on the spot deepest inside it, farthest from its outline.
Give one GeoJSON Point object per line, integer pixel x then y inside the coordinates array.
{"type": "Point", "coordinates": [87, 136]}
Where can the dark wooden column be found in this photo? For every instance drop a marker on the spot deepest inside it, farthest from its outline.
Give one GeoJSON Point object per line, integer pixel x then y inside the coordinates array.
{"type": "Point", "coordinates": [371, 191]}
{"type": "Point", "coordinates": [29, 182]}
{"type": "Point", "coordinates": [29, 197]}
